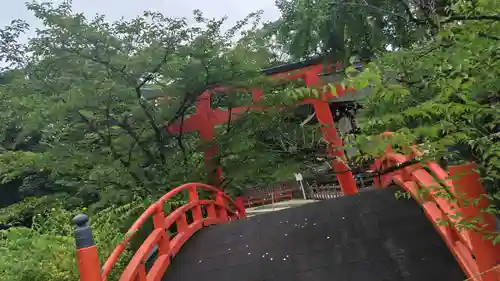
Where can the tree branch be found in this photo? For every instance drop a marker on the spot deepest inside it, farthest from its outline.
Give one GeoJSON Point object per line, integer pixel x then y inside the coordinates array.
{"type": "Point", "coordinates": [181, 144]}
{"type": "Point", "coordinates": [487, 36]}
{"type": "Point", "coordinates": [472, 18]}
{"type": "Point", "coordinates": [102, 62]}
{"type": "Point", "coordinates": [136, 138]}
{"type": "Point", "coordinates": [151, 120]}
{"type": "Point", "coordinates": [109, 143]}
{"type": "Point", "coordinates": [159, 137]}
{"type": "Point", "coordinates": [225, 182]}
{"type": "Point", "coordinates": [382, 11]}
{"type": "Point", "coordinates": [132, 146]}
{"type": "Point", "coordinates": [410, 15]}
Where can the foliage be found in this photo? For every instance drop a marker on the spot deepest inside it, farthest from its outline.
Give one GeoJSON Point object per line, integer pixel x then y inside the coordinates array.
{"type": "Point", "coordinates": [441, 94]}
{"type": "Point", "coordinates": [346, 28]}
{"type": "Point", "coordinates": [86, 104]}
{"type": "Point", "coordinates": [50, 243]}
{"type": "Point", "coordinates": [81, 112]}
{"type": "Point", "coordinates": [273, 145]}
{"type": "Point", "coordinates": [84, 117]}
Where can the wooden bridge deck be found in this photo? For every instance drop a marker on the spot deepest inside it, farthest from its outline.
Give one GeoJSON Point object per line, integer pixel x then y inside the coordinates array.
{"type": "Point", "coordinates": [369, 236]}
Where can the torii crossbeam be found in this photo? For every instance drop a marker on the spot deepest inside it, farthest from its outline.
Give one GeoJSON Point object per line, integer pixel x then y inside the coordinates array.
{"type": "Point", "coordinates": [205, 118]}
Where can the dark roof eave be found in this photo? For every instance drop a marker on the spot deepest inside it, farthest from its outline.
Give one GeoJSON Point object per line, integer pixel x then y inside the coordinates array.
{"type": "Point", "coordinates": [293, 66]}
{"type": "Point", "coordinates": [277, 69]}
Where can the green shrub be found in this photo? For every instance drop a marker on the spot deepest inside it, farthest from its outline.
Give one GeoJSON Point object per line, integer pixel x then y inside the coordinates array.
{"type": "Point", "coordinates": [46, 251]}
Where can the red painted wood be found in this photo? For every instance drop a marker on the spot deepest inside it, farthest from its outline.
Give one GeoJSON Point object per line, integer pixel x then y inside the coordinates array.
{"type": "Point", "coordinates": [134, 267]}
{"type": "Point", "coordinates": [240, 202]}
{"type": "Point", "coordinates": [141, 274]}
{"type": "Point", "coordinates": [179, 213]}
{"type": "Point", "coordinates": [468, 186]}
{"type": "Point", "coordinates": [181, 237]}
{"type": "Point", "coordinates": [159, 223]}
{"type": "Point", "coordinates": [262, 196]}
{"type": "Point", "coordinates": [205, 119]}
{"type": "Point", "coordinates": [211, 211]}
{"type": "Point", "coordinates": [473, 253]}
{"type": "Point", "coordinates": [159, 267]}
{"type": "Point", "coordinates": [325, 118]}
{"type": "Point", "coordinates": [221, 208]}
{"type": "Point", "coordinates": [193, 197]}
{"type": "Point", "coordinates": [135, 270]}
{"type": "Point", "coordinates": [88, 264]}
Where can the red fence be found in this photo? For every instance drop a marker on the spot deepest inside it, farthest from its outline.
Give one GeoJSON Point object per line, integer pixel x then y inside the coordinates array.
{"type": "Point", "coordinates": [446, 200]}
{"type": "Point", "coordinates": [220, 209]}
{"type": "Point", "coordinates": [270, 194]}
{"type": "Point", "coordinates": [324, 191]}
{"type": "Point", "coordinates": [319, 187]}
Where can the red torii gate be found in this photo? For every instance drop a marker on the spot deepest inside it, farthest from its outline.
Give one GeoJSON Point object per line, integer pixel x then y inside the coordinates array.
{"type": "Point", "coordinates": [205, 119]}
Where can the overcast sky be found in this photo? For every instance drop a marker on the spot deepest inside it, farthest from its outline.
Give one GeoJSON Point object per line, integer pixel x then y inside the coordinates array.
{"type": "Point", "coordinates": [115, 9]}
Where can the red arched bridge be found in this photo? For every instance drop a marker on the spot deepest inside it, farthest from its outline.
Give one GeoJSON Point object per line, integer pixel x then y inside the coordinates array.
{"type": "Point", "coordinates": [359, 236]}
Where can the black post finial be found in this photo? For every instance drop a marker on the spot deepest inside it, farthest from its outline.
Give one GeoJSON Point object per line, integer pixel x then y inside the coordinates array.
{"type": "Point", "coordinates": [80, 220]}
{"type": "Point", "coordinates": [83, 232]}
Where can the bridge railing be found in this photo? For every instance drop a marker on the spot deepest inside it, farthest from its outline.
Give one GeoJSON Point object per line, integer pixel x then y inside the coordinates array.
{"type": "Point", "coordinates": [324, 191]}
{"type": "Point", "coordinates": [446, 198]}
{"type": "Point", "coordinates": [267, 194]}
{"type": "Point", "coordinates": [220, 209]}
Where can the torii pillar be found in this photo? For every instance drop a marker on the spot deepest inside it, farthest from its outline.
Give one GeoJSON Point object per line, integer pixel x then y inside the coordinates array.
{"type": "Point", "coordinates": [325, 118]}
{"type": "Point", "coordinates": [205, 119]}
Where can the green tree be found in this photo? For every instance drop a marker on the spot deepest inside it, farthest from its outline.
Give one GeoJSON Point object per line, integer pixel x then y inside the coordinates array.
{"type": "Point", "coordinates": [362, 28]}
{"type": "Point", "coordinates": [316, 27]}
{"type": "Point", "coordinates": [442, 94]}
{"type": "Point", "coordinates": [82, 126]}
{"type": "Point", "coordinates": [79, 97]}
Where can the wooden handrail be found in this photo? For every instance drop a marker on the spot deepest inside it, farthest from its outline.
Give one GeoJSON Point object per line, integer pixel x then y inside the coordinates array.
{"type": "Point", "coordinates": [431, 186]}
{"type": "Point", "coordinates": [220, 209]}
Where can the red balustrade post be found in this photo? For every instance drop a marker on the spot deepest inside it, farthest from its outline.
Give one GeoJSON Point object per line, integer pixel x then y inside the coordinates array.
{"type": "Point", "coordinates": [466, 181]}
{"type": "Point", "coordinates": [211, 211]}
{"type": "Point", "coordinates": [159, 222]}
{"type": "Point", "coordinates": [221, 205]}
{"type": "Point", "coordinates": [240, 204]}
{"type": "Point", "coordinates": [193, 197]}
{"type": "Point", "coordinates": [142, 274]}
{"type": "Point", "coordinates": [87, 255]}
{"type": "Point", "coordinates": [181, 223]}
